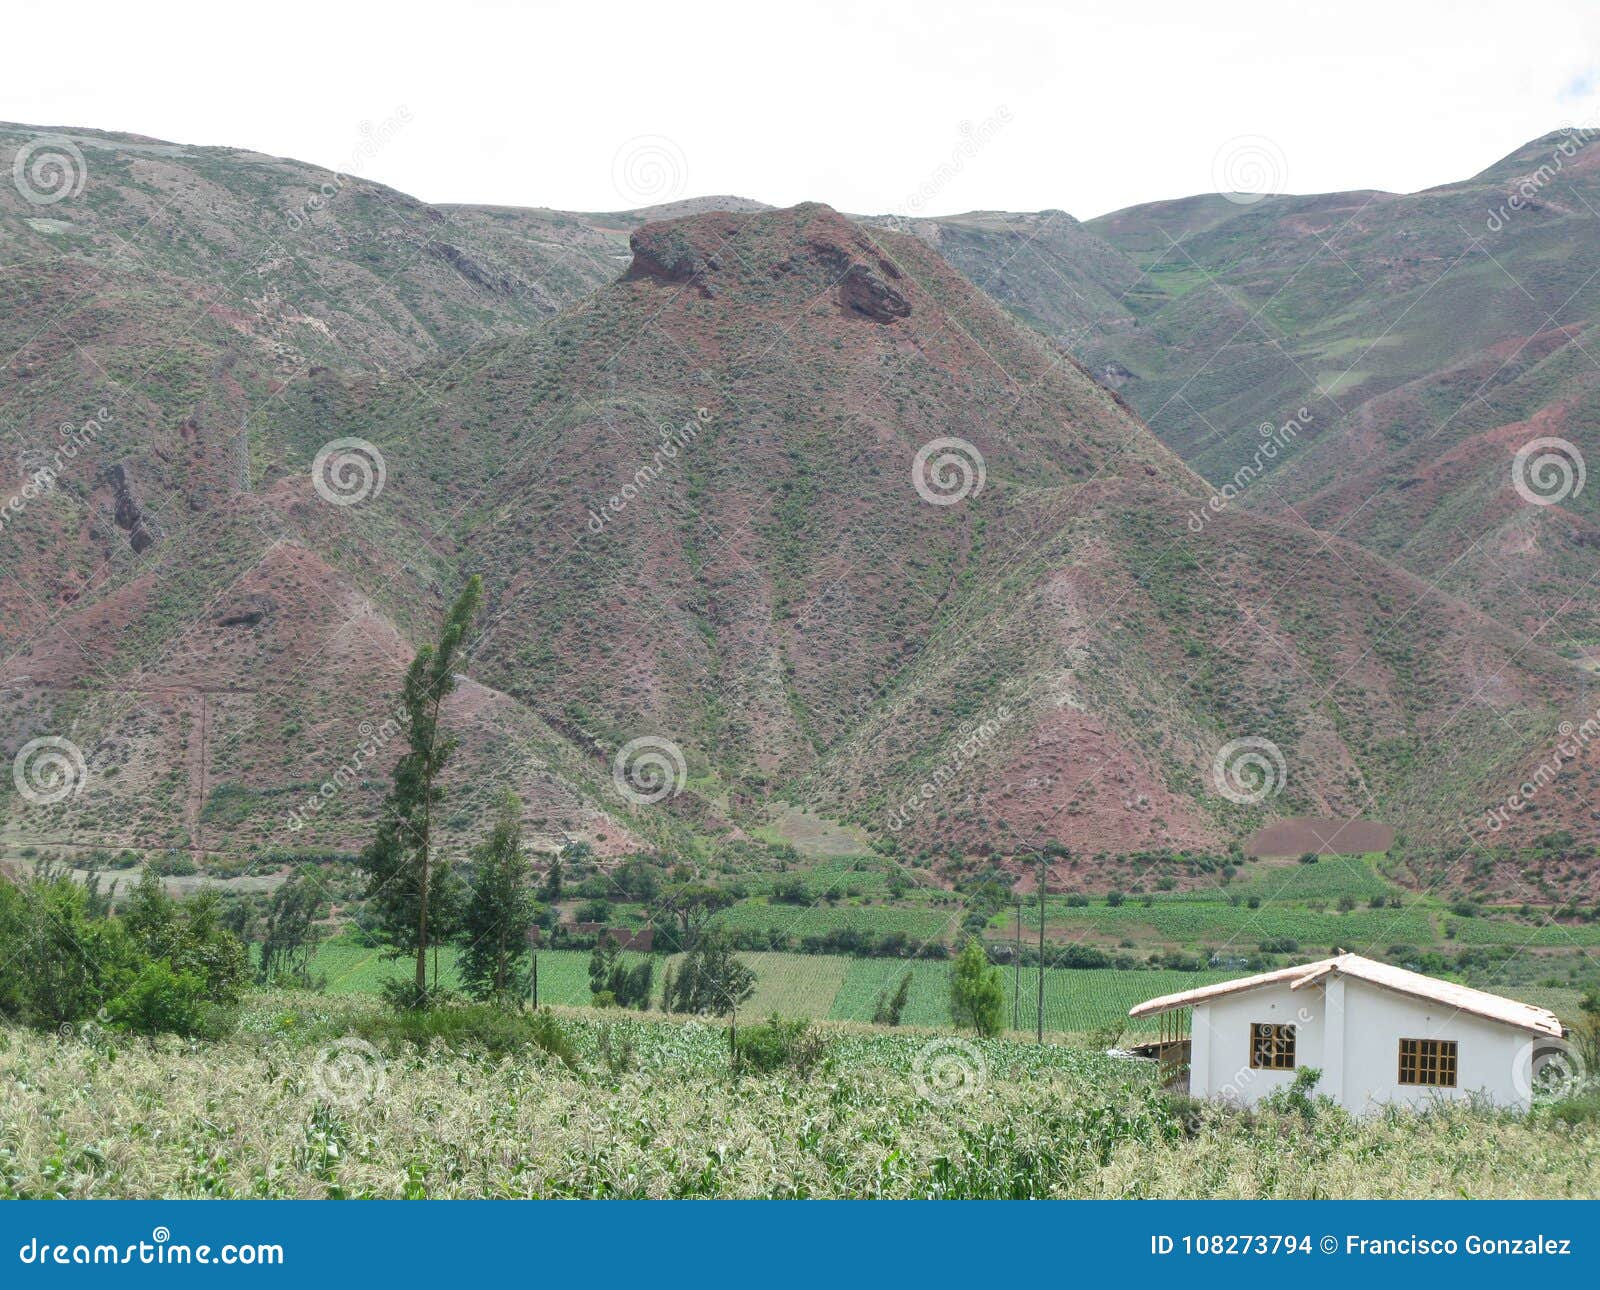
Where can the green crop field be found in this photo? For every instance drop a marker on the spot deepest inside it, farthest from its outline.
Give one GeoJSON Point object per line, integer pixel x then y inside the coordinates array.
{"type": "Point", "coordinates": [1075, 1000]}
{"type": "Point", "coordinates": [818, 985]}
{"type": "Point", "coordinates": [1494, 931]}
{"type": "Point", "coordinates": [832, 986]}
{"type": "Point", "coordinates": [1328, 879]}
{"type": "Point", "coordinates": [795, 985]}
{"type": "Point", "coordinates": [872, 920]}
{"type": "Point", "coordinates": [1218, 923]}
{"type": "Point", "coordinates": [927, 1004]}
{"type": "Point", "coordinates": [354, 968]}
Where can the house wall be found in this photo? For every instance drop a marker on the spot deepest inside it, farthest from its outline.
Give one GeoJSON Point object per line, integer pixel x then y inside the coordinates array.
{"type": "Point", "coordinates": [1222, 1029]}
{"type": "Point", "coordinates": [1494, 1061]}
{"type": "Point", "coordinates": [1351, 1031]}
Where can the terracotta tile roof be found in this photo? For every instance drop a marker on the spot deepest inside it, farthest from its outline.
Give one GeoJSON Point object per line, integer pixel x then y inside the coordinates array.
{"type": "Point", "coordinates": [1462, 998]}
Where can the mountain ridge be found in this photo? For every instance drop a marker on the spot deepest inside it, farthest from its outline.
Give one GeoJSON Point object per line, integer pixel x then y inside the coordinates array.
{"type": "Point", "coordinates": [768, 596]}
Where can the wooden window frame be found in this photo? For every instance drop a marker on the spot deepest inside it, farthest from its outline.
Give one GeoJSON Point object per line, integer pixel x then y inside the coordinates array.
{"type": "Point", "coordinates": [1279, 1036]}
{"type": "Point", "coordinates": [1429, 1063]}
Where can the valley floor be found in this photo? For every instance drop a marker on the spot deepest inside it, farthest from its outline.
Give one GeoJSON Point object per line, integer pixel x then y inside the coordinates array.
{"type": "Point", "coordinates": [298, 1104]}
{"type": "Point", "coordinates": [835, 987]}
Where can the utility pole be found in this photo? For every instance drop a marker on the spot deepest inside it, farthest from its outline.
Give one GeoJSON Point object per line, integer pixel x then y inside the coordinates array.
{"type": "Point", "coordinates": [1043, 869]}
{"type": "Point", "coordinates": [1016, 971]}
{"type": "Point", "coordinates": [532, 935]}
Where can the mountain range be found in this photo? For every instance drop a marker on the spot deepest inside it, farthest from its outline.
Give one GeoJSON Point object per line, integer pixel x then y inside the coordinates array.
{"type": "Point", "coordinates": [957, 534]}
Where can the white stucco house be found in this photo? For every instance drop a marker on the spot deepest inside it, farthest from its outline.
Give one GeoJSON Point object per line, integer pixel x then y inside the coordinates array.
{"type": "Point", "coordinates": [1378, 1034]}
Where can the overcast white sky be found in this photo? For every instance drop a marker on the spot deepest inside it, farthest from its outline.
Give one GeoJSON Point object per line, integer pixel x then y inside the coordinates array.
{"type": "Point", "coordinates": [1087, 107]}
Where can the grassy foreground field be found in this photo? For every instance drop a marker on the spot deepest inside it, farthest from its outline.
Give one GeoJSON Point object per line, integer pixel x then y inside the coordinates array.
{"type": "Point", "coordinates": [298, 1105]}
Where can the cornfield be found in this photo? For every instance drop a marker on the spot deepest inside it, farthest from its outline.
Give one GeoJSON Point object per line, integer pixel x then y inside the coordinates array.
{"type": "Point", "coordinates": [294, 1106]}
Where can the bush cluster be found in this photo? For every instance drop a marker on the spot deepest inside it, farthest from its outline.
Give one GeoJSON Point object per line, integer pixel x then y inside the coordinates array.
{"type": "Point", "coordinates": [156, 965]}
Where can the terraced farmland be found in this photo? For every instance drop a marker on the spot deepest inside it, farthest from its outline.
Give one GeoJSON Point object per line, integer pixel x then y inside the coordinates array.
{"type": "Point", "coordinates": [354, 968]}
{"type": "Point", "coordinates": [795, 985]}
{"type": "Point", "coordinates": [1077, 1000]}
{"type": "Point", "coordinates": [1189, 922]}
{"type": "Point", "coordinates": [816, 985]}
{"type": "Point", "coordinates": [917, 925]}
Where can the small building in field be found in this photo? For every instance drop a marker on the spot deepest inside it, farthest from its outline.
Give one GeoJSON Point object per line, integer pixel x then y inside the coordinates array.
{"type": "Point", "coordinates": [1378, 1034]}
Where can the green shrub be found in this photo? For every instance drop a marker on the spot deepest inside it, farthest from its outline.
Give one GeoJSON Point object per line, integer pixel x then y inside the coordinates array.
{"type": "Point", "coordinates": [977, 996]}
{"type": "Point", "coordinates": [890, 1008]}
{"type": "Point", "coordinates": [163, 1000]}
{"type": "Point", "coordinates": [776, 1043]}
{"type": "Point", "coordinates": [474, 1027]}
{"type": "Point", "coordinates": [159, 965]}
